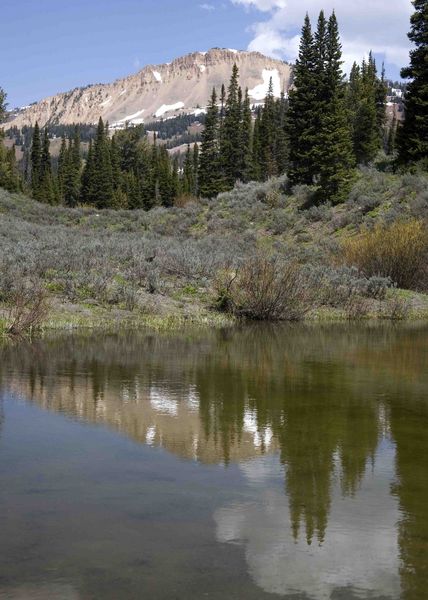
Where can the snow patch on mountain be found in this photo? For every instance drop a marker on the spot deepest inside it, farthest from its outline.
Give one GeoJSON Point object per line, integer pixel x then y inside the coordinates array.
{"type": "Point", "coordinates": [132, 119]}
{"type": "Point", "coordinates": [167, 108]}
{"type": "Point", "coordinates": [134, 116]}
{"type": "Point", "coordinates": [189, 77]}
{"type": "Point", "coordinates": [259, 92]}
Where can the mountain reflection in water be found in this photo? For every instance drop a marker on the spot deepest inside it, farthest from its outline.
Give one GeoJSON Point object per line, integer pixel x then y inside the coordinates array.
{"type": "Point", "coordinates": [340, 413]}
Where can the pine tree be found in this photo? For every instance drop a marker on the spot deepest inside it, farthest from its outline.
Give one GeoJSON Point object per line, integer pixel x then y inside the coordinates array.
{"type": "Point", "coordinates": [302, 115]}
{"type": "Point", "coordinates": [10, 178]}
{"type": "Point", "coordinates": [391, 139]}
{"type": "Point", "coordinates": [230, 145]}
{"type": "Point", "coordinates": [413, 135]}
{"type": "Point", "coordinates": [335, 159]}
{"type": "Point", "coordinates": [131, 188]}
{"type": "Point", "coordinates": [196, 169]}
{"type": "Point", "coordinates": [62, 167]}
{"type": "Point", "coordinates": [267, 136]}
{"type": "Point", "coordinates": [115, 167]}
{"type": "Point", "coordinates": [256, 171]}
{"type": "Point", "coordinates": [14, 183]}
{"type": "Point", "coordinates": [188, 182]}
{"type": "Point", "coordinates": [366, 137]}
{"type": "Point", "coordinates": [36, 160]}
{"type": "Point", "coordinates": [211, 180]}
{"type": "Point", "coordinates": [281, 138]}
{"type": "Point", "coordinates": [175, 180]}
{"type": "Point", "coordinates": [165, 178]}
{"type": "Point", "coordinates": [101, 190]}
{"type": "Point", "coordinates": [87, 175]}
{"type": "Point", "coordinates": [381, 91]}
{"type": "Point", "coordinates": [323, 76]}
{"type": "Point", "coordinates": [246, 139]}
{"type": "Point", "coordinates": [153, 197]}
{"type": "Point", "coordinates": [45, 189]}
{"type": "Point", "coordinates": [70, 179]}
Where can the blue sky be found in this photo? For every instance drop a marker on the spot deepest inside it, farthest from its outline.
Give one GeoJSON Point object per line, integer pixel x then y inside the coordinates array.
{"type": "Point", "coordinates": [49, 46]}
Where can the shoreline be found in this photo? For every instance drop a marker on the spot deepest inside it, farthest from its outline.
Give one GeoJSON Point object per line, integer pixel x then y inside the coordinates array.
{"type": "Point", "coordinates": [64, 317]}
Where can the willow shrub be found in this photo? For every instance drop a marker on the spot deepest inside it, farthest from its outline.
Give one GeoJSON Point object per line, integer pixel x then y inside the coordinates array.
{"type": "Point", "coordinates": [265, 289]}
{"type": "Point", "coordinates": [398, 251]}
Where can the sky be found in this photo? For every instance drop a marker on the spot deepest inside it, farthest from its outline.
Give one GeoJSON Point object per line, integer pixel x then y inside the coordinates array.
{"type": "Point", "coordinates": [48, 46]}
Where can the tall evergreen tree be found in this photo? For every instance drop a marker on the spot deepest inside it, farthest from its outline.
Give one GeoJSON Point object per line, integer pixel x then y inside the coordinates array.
{"type": "Point", "coordinates": [188, 182]}
{"type": "Point", "coordinates": [230, 144]}
{"type": "Point", "coordinates": [36, 161]}
{"type": "Point", "coordinates": [175, 180]}
{"type": "Point", "coordinates": [335, 159]}
{"type": "Point", "coordinates": [10, 178]}
{"type": "Point", "coordinates": [413, 135]}
{"type": "Point", "coordinates": [363, 111]}
{"type": "Point", "coordinates": [119, 199]}
{"type": "Point", "coordinates": [281, 137]}
{"type": "Point", "coordinates": [70, 179]}
{"type": "Point", "coordinates": [87, 175]}
{"type": "Point", "coordinates": [256, 170]}
{"type": "Point", "coordinates": [211, 180]}
{"type": "Point", "coordinates": [196, 169]}
{"type": "Point", "coordinates": [391, 139]}
{"type": "Point", "coordinates": [62, 167]}
{"type": "Point", "coordinates": [302, 115]}
{"type": "Point", "coordinates": [165, 177]}
{"type": "Point", "coordinates": [101, 192]}
{"type": "Point", "coordinates": [246, 139]}
{"type": "Point", "coordinates": [45, 189]}
{"type": "Point", "coordinates": [380, 98]}
{"type": "Point", "coordinates": [267, 136]}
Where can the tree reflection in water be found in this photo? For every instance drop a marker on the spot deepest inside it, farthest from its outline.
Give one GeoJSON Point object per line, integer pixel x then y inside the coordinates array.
{"type": "Point", "coordinates": [321, 398]}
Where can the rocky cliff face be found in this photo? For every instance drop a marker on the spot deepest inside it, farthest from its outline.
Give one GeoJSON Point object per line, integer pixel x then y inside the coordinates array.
{"type": "Point", "coordinates": [160, 91]}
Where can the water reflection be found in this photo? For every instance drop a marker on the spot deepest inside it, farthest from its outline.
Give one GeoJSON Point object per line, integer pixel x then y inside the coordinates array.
{"type": "Point", "coordinates": [358, 557]}
{"type": "Point", "coordinates": [339, 413]}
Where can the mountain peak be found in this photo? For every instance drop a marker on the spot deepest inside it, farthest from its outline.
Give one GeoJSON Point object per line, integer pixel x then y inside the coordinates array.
{"type": "Point", "coordinates": [160, 91]}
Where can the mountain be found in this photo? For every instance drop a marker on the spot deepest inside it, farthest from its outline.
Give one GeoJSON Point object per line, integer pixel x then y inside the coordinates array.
{"type": "Point", "coordinates": [159, 91]}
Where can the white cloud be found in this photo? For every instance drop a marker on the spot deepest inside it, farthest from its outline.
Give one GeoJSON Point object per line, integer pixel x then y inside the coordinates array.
{"type": "Point", "coordinates": [378, 25]}
{"type": "Point", "coordinates": [360, 551]}
{"type": "Point", "coordinates": [206, 6]}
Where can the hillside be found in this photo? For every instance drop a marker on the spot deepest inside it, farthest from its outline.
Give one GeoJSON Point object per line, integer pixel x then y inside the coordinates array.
{"type": "Point", "coordinates": [100, 267]}
{"type": "Point", "coordinates": [159, 91]}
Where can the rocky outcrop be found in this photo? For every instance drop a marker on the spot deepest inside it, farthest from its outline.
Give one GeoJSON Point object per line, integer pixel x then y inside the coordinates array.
{"type": "Point", "coordinates": [160, 91]}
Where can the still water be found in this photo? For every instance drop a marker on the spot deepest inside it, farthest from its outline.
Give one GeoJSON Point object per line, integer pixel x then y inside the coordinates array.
{"type": "Point", "coordinates": [261, 463]}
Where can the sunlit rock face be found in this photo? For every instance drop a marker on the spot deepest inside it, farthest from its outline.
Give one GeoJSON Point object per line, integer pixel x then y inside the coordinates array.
{"type": "Point", "coordinates": [160, 91]}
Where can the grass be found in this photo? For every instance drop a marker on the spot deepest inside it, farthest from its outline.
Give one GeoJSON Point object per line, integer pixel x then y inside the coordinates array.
{"type": "Point", "coordinates": [159, 268]}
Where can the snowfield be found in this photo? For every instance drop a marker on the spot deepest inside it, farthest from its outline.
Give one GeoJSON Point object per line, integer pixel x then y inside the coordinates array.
{"type": "Point", "coordinates": [259, 92]}
{"type": "Point", "coordinates": [167, 108]}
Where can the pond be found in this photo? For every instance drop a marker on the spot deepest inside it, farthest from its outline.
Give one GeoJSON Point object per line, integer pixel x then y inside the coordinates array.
{"type": "Point", "coordinates": [249, 463]}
